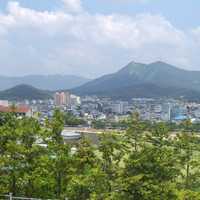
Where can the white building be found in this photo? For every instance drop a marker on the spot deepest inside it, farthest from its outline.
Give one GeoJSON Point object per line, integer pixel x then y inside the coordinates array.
{"type": "Point", "coordinates": [75, 100]}
{"type": "Point", "coordinates": [119, 107]}
{"type": "Point", "coordinates": [4, 103]}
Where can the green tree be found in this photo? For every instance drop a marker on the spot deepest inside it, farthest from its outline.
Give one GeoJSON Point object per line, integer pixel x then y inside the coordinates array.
{"type": "Point", "coordinates": [88, 180]}
{"type": "Point", "coordinates": [150, 172]}
{"type": "Point", "coordinates": [59, 154]}
{"type": "Point", "coordinates": [10, 151]}
{"type": "Point", "coordinates": [30, 129]}
{"type": "Point", "coordinates": [71, 120]}
{"type": "Point", "coordinates": [134, 132]}
{"type": "Point", "coordinates": [188, 149]}
{"type": "Point", "coordinates": [99, 124]}
{"type": "Point", "coordinates": [112, 154]}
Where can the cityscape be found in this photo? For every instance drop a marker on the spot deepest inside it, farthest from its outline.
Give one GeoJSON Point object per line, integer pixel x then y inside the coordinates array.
{"type": "Point", "coordinates": [91, 108]}
{"type": "Point", "coordinates": [99, 100]}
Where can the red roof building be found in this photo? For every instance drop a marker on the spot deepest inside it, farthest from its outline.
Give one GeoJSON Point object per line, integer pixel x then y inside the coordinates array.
{"type": "Point", "coordinates": [21, 110]}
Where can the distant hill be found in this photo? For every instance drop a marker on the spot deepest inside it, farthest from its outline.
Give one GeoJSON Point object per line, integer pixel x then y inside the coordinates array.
{"type": "Point", "coordinates": [22, 92]}
{"type": "Point", "coordinates": [155, 80]}
{"type": "Point", "coordinates": [49, 82]}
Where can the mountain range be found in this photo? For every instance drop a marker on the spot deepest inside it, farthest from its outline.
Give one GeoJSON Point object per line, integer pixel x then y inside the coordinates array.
{"type": "Point", "coordinates": [135, 80]}
{"type": "Point", "coordinates": [153, 80]}
{"type": "Point", "coordinates": [45, 82]}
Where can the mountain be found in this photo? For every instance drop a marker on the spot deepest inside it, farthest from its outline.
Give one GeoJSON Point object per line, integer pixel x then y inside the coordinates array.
{"type": "Point", "coordinates": [21, 92]}
{"type": "Point", "coordinates": [48, 82]}
{"type": "Point", "coordinates": [153, 80]}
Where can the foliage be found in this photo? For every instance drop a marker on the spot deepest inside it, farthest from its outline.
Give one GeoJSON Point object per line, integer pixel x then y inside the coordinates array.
{"type": "Point", "coordinates": [71, 120]}
{"type": "Point", "coordinates": [145, 162]}
{"type": "Point", "coordinates": [99, 124]}
{"type": "Point", "coordinates": [108, 124]}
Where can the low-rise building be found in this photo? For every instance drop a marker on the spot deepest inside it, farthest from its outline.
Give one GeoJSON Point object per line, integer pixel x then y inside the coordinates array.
{"type": "Point", "coordinates": [19, 110]}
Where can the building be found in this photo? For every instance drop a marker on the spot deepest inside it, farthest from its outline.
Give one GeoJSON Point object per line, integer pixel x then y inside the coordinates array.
{"type": "Point", "coordinates": [119, 107]}
{"type": "Point", "coordinates": [57, 99]}
{"type": "Point", "coordinates": [75, 100]}
{"type": "Point", "coordinates": [4, 103]}
{"type": "Point", "coordinates": [179, 112]}
{"type": "Point", "coordinates": [68, 98]}
{"type": "Point", "coordinates": [20, 110]}
{"type": "Point", "coordinates": [62, 99]}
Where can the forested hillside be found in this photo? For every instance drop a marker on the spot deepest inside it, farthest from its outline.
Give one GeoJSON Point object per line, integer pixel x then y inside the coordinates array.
{"type": "Point", "coordinates": [153, 80]}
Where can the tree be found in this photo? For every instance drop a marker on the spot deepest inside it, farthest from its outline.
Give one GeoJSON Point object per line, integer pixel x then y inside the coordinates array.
{"type": "Point", "coordinates": [112, 154]}
{"type": "Point", "coordinates": [88, 179]}
{"type": "Point", "coordinates": [146, 162]}
{"type": "Point", "coordinates": [150, 171]}
{"type": "Point", "coordinates": [99, 124]}
{"type": "Point", "coordinates": [10, 154]}
{"type": "Point", "coordinates": [188, 148]}
{"type": "Point", "coordinates": [59, 153]}
{"type": "Point", "coordinates": [134, 132]}
{"type": "Point", "coordinates": [71, 120]}
{"type": "Point", "coordinates": [31, 152]}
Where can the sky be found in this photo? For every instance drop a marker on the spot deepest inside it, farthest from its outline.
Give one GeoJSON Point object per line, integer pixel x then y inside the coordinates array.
{"type": "Point", "coordinates": [95, 37]}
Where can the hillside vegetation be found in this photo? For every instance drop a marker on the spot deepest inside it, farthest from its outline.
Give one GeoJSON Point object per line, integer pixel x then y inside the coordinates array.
{"type": "Point", "coordinates": [153, 80]}
{"type": "Point", "coordinates": [22, 92]}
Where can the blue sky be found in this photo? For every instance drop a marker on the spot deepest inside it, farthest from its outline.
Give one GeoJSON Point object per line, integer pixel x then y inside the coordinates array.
{"type": "Point", "coordinates": [182, 13]}
{"type": "Point", "coordinates": [95, 37]}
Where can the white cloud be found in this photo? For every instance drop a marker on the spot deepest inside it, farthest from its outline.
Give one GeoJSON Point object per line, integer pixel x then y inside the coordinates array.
{"type": "Point", "coordinates": [73, 5]}
{"type": "Point", "coordinates": [196, 34]}
{"type": "Point", "coordinates": [73, 41]}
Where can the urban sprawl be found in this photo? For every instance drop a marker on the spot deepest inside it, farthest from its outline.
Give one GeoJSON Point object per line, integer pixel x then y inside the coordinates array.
{"type": "Point", "coordinates": [92, 108]}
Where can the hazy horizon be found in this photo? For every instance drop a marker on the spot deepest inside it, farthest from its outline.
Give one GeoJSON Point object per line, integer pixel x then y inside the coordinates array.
{"type": "Point", "coordinates": [91, 78]}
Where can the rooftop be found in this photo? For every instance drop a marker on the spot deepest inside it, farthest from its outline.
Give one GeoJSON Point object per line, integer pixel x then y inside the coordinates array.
{"type": "Point", "coordinates": [17, 109]}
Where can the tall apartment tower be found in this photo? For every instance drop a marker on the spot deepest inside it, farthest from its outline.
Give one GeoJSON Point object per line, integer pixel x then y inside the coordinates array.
{"type": "Point", "coordinates": [62, 98]}
{"type": "Point", "coordinates": [57, 99]}
{"type": "Point", "coordinates": [68, 98]}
